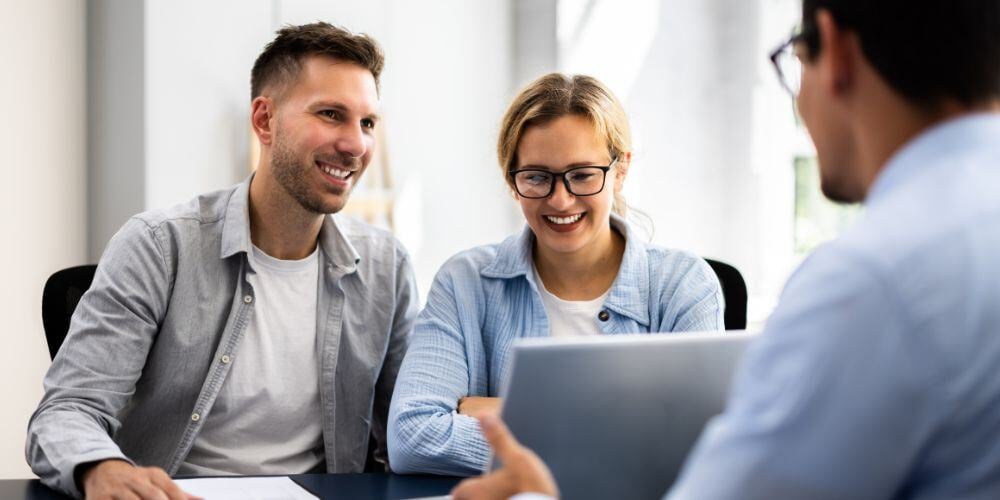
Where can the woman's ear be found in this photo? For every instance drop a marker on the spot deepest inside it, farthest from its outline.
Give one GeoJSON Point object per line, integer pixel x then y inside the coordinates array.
{"type": "Point", "coordinates": [261, 113]}
{"type": "Point", "coordinates": [621, 169]}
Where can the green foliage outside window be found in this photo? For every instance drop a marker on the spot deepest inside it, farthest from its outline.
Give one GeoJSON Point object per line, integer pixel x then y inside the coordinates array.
{"type": "Point", "coordinates": [817, 219]}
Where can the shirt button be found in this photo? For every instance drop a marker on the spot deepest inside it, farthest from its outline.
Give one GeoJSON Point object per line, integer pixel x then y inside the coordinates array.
{"type": "Point", "coordinates": [248, 299]}
{"type": "Point", "coordinates": [226, 359]}
{"type": "Point", "coordinates": [195, 417]}
{"type": "Point", "coordinates": [603, 315]}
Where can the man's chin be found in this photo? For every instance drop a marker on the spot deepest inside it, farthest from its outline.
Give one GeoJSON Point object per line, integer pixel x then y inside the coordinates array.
{"type": "Point", "coordinates": [841, 194]}
{"type": "Point", "coordinates": [332, 208]}
{"type": "Point", "coordinates": [326, 205]}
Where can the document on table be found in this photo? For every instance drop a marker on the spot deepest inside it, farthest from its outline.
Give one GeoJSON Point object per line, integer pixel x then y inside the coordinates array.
{"type": "Point", "coordinates": [245, 488]}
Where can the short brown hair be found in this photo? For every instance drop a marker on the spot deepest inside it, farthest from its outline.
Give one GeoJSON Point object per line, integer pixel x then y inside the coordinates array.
{"type": "Point", "coordinates": [281, 60]}
{"type": "Point", "coordinates": [556, 95]}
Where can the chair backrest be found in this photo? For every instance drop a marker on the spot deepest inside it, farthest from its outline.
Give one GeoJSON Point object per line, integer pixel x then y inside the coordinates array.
{"type": "Point", "coordinates": [59, 298]}
{"type": "Point", "coordinates": [734, 289]}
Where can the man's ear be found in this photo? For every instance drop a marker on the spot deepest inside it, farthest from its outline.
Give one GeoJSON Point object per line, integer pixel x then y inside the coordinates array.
{"type": "Point", "coordinates": [621, 169]}
{"type": "Point", "coordinates": [261, 119]}
{"type": "Point", "coordinates": [837, 56]}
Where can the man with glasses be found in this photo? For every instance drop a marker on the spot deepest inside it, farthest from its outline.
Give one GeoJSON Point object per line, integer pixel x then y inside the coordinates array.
{"type": "Point", "coordinates": [876, 374]}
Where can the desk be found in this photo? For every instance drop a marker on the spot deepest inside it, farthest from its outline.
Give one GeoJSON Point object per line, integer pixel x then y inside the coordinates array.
{"type": "Point", "coordinates": [327, 486]}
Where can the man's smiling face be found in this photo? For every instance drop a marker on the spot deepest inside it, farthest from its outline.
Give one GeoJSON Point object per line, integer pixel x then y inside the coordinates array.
{"type": "Point", "coordinates": [324, 132]}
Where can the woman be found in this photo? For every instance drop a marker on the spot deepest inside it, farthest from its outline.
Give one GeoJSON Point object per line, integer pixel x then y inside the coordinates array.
{"type": "Point", "coordinates": [576, 269]}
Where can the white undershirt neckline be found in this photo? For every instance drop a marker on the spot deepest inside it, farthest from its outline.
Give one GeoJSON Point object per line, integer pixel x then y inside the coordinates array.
{"type": "Point", "coordinates": [571, 318]}
{"type": "Point", "coordinates": [267, 418]}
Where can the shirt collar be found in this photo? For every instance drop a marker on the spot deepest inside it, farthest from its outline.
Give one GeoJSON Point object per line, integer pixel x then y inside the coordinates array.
{"type": "Point", "coordinates": [932, 145]}
{"type": "Point", "coordinates": [335, 246]}
{"type": "Point", "coordinates": [236, 228]}
{"type": "Point", "coordinates": [629, 292]}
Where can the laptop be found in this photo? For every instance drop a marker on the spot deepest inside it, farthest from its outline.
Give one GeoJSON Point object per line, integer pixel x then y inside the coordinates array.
{"type": "Point", "coordinates": [615, 416]}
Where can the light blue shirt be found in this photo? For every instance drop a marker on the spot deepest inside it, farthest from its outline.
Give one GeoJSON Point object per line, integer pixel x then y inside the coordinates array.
{"type": "Point", "coordinates": [484, 298]}
{"type": "Point", "coordinates": [878, 375]}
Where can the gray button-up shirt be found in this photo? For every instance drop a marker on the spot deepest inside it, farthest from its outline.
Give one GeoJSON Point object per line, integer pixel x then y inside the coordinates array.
{"type": "Point", "coordinates": [152, 341]}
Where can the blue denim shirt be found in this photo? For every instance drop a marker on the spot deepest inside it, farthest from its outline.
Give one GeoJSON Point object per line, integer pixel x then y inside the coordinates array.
{"type": "Point", "coordinates": [877, 374]}
{"type": "Point", "coordinates": [484, 298]}
{"type": "Point", "coordinates": [152, 340]}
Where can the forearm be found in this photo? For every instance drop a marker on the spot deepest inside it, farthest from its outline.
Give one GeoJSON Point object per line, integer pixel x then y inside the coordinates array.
{"type": "Point", "coordinates": [429, 439]}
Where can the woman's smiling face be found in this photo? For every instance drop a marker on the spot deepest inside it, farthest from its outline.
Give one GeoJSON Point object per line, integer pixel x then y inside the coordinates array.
{"type": "Point", "coordinates": [564, 223]}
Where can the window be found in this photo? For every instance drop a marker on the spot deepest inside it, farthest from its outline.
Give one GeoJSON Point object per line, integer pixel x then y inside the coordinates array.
{"type": "Point", "coordinates": [817, 219]}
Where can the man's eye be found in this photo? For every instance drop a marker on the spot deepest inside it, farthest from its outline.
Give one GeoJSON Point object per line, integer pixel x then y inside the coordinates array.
{"type": "Point", "coordinates": [368, 124]}
{"type": "Point", "coordinates": [330, 113]}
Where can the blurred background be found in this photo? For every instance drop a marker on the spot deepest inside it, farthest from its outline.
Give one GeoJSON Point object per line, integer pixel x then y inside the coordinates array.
{"type": "Point", "coordinates": [113, 107]}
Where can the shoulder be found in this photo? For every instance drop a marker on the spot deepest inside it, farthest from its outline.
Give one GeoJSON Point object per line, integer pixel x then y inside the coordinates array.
{"type": "Point", "coordinates": [173, 226]}
{"type": "Point", "coordinates": [460, 289]}
{"type": "Point", "coordinates": [207, 208]}
{"type": "Point", "coordinates": [368, 240]}
{"type": "Point", "coordinates": [677, 267]}
{"type": "Point", "coordinates": [470, 263]}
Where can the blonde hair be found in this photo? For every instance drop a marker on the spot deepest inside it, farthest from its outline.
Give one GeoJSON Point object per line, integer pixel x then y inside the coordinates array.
{"type": "Point", "coordinates": [556, 95]}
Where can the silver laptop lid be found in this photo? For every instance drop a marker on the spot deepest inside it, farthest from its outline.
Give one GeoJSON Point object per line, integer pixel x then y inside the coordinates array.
{"type": "Point", "coordinates": [614, 416]}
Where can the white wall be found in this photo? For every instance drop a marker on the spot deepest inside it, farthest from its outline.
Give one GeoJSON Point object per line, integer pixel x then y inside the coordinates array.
{"type": "Point", "coordinates": [116, 155]}
{"type": "Point", "coordinates": [197, 94]}
{"type": "Point", "coordinates": [714, 132]}
{"type": "Point", "coordinates": [448, 82]}
{"type": "Point", "coordinates": [42, 196]}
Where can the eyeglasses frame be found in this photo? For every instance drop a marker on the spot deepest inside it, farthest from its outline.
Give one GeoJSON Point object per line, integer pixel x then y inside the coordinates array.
{"type": "Point", "coordinates": [566, 184]}
{"type": "Point", "coordinates": [805, 35]}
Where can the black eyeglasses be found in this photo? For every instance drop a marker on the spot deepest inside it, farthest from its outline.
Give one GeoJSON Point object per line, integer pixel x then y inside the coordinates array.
{"type": "Point", "coordinates": [579, 181]}
{"type": "Point", "coordinates": [787, 63]}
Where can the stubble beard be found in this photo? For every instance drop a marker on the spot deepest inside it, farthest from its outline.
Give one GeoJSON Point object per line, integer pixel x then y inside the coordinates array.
{"type": "Point", "coordinates": [293, 177]}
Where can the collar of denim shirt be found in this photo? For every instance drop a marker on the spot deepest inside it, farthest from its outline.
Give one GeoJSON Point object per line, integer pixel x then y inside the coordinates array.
{"type": "Point", "coordinates": [629, 292]}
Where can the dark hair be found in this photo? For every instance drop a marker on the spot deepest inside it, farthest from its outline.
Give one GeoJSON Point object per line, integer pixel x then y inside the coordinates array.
{"type": "Point", "coordinates": [281, 60]}
{"type": "Point", "coordinates": [927, 50]}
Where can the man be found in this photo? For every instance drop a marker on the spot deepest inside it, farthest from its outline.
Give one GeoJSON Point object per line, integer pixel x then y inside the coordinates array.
{"type": "Point", "coordinates": [246, 331]}
{"type": "Point", "coordinates": [876, 376]}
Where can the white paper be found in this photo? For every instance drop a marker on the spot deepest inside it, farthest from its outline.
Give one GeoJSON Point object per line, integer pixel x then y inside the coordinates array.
{"type": "Point", "coordinates": [245, 488]}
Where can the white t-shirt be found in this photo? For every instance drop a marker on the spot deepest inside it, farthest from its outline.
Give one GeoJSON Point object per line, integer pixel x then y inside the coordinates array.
{"type": "Point", "coordinates": [267, 417]}
{"type": "Point", "coordinates": [571, 317]}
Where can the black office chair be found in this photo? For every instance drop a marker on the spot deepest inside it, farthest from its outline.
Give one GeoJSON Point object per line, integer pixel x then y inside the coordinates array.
{"type": "Point", "coordinates": [59, 299]}
{"type": "Point", "coordinates": [734, 289]}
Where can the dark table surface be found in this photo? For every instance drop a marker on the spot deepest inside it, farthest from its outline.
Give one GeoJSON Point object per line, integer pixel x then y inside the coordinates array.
{"type": "Point", "coordinates": [327, 486]}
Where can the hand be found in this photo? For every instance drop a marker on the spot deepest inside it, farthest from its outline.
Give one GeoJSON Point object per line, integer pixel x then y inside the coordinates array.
{"type": "Point", "coordinates": [476, 407]}
{"type": "Point", "coordinates": [117, 479]}
{"type": "Point", "coordinates": [522, 470]}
